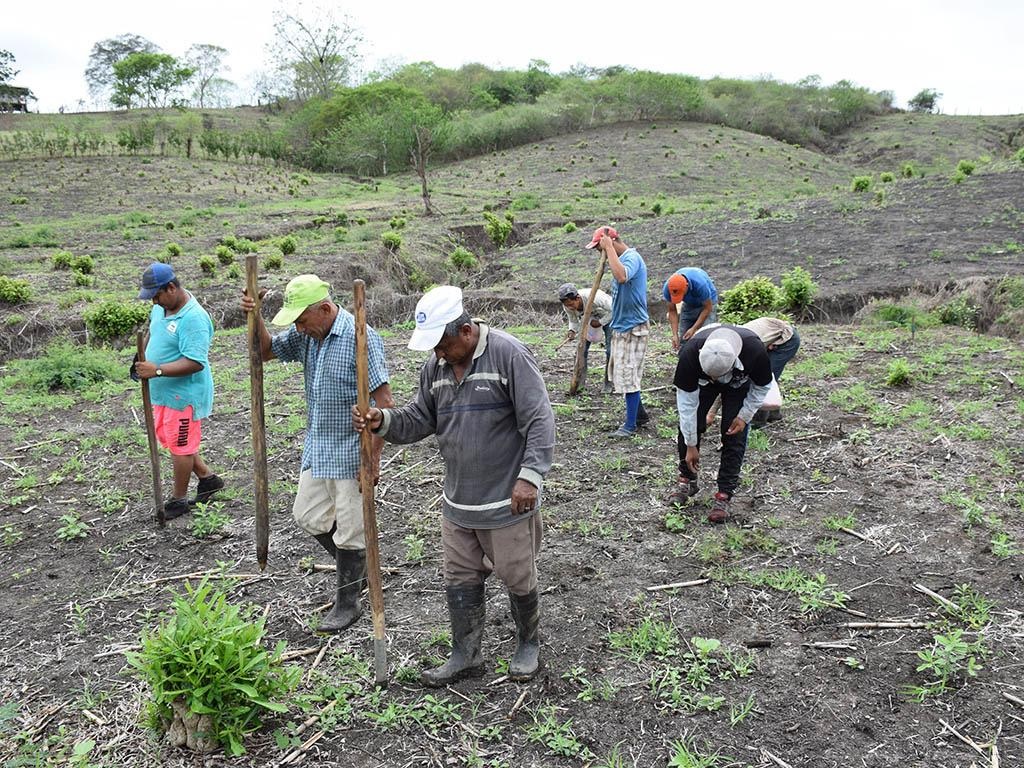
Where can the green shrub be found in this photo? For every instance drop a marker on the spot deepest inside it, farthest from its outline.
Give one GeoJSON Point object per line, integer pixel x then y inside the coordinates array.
{"type": "Point", "coordinates": [211, 654]}
{"type": "Point", "coordinates": [173, 250]}
{"type": "Point", "coordinates": [234, 272]}
{"type": "Point", "coordinates": [966, 167]}
{"type": "Point", "coordinates": [1010, 292]}
{"type": "Point", "coordinates": [908, 171]}
{"type": "Point", "coordinates": [81, 279]}
{"type": "Point", "coordinates": [361, 221]}
{"type": "Point", "coordinates": [463, 259]}
{"type": "Point", "coordinates": [341, 219]}
{"type": "Point", "coordinates": [497, 229]}
{"type": "Point", "coordinates": [115, 319]}
{"type": "Point", "coordinates": [1020, 155]}
{"type": "Point", "coordinates": [273, 261]}
{"type": "Point", "coordinates": [340, 233]}
{"type": "Point", "coordinates": [62, 260]}
{"type": "Point", "coordinates": [887, 177]}
{"type": "Point", "coordinates": [749, 299]}
{"type": "Point", "coordinates": [19, 200]}
{"type": "Point", "coordinates": [397, 222]}
{"type": "Point", "coordinates": [83, 264]}
{"type": "Point", "coordinates": [67, 366]}
{"type": "Point", "coordinates": [861, 183]}
{"type": "Point", "coordinates": [207, 265]}
{"type": "Point", "coordinates": [287, 245]}
{"type": "Point", "coordinates": [898, 314]}
{"type": "Point", "coordinates": [899, 373]}
{"type": "Point", "coordinates": [527, 202]}
{"type": "Point", "coordinates": [224, 255]}
{"type": "Point", "coordinates": [958, 176]}
{"type": "Point", "coordinates": [13, 291]}
{"type": "Point", "coordinates": [798, 289]}
{"type": "Point", "coordinates": [392, 240]}
{"type": "Point", "coordinates": [569, 227]}
{"type": "Point", "coordinates": [961, 312]}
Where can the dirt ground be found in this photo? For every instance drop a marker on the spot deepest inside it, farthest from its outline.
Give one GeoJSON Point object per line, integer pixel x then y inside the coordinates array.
{"type": "Point", "coordinates": [884, 491]}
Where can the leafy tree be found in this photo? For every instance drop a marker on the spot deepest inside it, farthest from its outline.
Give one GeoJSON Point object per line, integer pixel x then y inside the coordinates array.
{"type": "Point", "coordinates": [430, 130]}
{"type": "Point", "coordinates": [99, 72]}
{"type": "Point", "coordinates": [207, 61]}
{"type": "Point", "coordinates": [317, 52]}
{"type": "Point", "coordinates": [926, 100]}
{"type": "Point", "coordinates": [7, 70]}
{"type": "Point", "coordinates": [147, 79]}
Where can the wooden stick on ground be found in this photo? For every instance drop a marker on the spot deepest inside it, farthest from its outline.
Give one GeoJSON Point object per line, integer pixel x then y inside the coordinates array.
{"type": "Point", "coordinates": [367, 488]}
{"type": "Point", "coordinates": [945, 602]}
{"type": "Point", "coordinates": [678, 585]}
{"type": "Point", "coordinates": [259, 430]}
{"type": "Point", "coordinates": [579, 368]}
{"type": "Point", "coordinates": [154, 451]}
{"type": "Point", "coordinates": [965, 739]}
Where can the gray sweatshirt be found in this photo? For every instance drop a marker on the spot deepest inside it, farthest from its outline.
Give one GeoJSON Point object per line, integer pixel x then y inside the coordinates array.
{"type": "Point", "coordinates": [493, 427]}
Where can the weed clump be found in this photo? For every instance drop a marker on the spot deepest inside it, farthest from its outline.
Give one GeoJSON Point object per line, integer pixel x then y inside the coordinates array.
{"type": "Point", "coordinates": [83, 264]}
{"type": "Point", "coordinates": [462, 259]}
{"type": "Point", "coordinates": [115, 319]}
{"type": "Point", "coordinates": [66, 366]}
{"type": "Point", "coordinates": [207, 265]}
{"type": "Point", "coordinates": [62, 259]}
{"type": "Point", "coordinates": [861, 184]}
{"type": "Point", "coordinates": [961, 311]}
{"type": "Point", "coordinates": [798, 289]}
{"type": "Point", "coordinates": [749, 299]}
{"type": "Point", "coordinates": [273, 261]}
{"type": "Point", "coordinates": [899, 373]}
{"type": "Point", "coordinates": [287, 245]}
{"type": "Point", "coordinates": [497, 229]}
{"type": "Point", "coordinates": [14, 291]}
{"type": "Point", "coordinates": [224, 255]}
{"type": "Point", "coordinates": [211, 679]}
{"type": "Point", "coordinates": [391, 240]}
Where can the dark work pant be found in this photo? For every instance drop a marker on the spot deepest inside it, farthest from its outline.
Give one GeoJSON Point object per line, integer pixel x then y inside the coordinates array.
{"type": "Point", "coordinates": [783, 353]}
{"type": "Point", "coordinates": [733, 446]}
{"type": "Point", "coordinates": [607, 330]}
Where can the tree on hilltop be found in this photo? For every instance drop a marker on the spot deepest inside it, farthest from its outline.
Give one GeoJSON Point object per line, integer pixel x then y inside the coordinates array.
{"type": "Point", "coordinates": [207, 61]}
{"type": "Point", "coordinates": [148, 80]}
{"type": "Point", "coordinates": [927, 100]}
{"type": "Point", "coordinates": [317, 52]}
{"type": "Point", "coordinates": [7, 70]}
{"type": "Point", "coordinates": [99, 71]}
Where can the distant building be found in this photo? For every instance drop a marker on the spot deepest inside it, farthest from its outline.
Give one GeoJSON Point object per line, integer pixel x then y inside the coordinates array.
{"type": "Point", "coordinates": [14, 98]}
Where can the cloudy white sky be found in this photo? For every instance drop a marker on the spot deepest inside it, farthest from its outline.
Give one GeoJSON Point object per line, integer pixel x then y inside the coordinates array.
{"type": "Point", "coordinates": [968, 50]}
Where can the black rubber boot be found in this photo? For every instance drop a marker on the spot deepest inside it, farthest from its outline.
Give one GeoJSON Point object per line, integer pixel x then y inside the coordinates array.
{"type": "Point", "coordinates": [642, 417]}
{"type": "Point", "coordinates": [526, 660]}
{"type": "Point", "coordinates": [466, 610]}
{"type": "Point", "coordinates": [351, 569]}
{"type": "Point", "coordinates": [327, 542]}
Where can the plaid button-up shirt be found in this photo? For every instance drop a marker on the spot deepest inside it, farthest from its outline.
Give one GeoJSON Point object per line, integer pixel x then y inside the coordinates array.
{"type": "Point", "coordinates": [331, 447]}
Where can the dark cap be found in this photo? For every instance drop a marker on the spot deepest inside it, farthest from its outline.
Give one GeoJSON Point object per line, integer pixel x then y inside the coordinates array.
{"type": "Point", "coordinates": [154, 278]}
{"type": "Point", "coordinates": [567, 291]}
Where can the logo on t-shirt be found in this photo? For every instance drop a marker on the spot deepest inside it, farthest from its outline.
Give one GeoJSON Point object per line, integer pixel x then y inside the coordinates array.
{"type": "Point", "coordinates": [172, 327]}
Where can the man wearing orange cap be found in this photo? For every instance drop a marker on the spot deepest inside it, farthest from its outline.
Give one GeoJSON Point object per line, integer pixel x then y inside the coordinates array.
{"type": "Point", "coordinates": [692, 288]}
{"type": "Point", "coordinates": [630, 326]}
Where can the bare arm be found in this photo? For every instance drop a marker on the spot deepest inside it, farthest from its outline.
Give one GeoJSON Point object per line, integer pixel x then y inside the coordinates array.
{"type": "Point", "coordinates": [266, 351]}
{"type": "Point", "coordinates": [699, 322]}
{"type": "Point", "coordinates": [183, 366]}
{"type": "Point", "coordinates": [618, 270]}
{"type": "Point", "coordinates": [673, 321]}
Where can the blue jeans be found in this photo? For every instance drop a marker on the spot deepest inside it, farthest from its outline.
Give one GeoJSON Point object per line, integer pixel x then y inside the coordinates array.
{"type": "Point", "coordinates": [688, 316]}
{"type": "Point", "coordinates": [782, 354]}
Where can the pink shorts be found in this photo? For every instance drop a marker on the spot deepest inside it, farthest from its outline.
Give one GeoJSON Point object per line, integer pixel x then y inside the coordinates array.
{"type": "Point", "coordinates": [176, 430]}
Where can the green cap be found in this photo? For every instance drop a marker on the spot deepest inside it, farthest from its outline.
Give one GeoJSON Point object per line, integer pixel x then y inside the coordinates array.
{"type": "Point", "coordinates": [299, 294]}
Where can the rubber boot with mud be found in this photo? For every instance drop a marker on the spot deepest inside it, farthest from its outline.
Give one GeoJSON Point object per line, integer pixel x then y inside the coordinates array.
{"type": "Point", "coordinates": [526, 613]}
{"type": "Point", "coordinates": [466, 611]}
{"type": "Point", "coordinates": [350, 565]}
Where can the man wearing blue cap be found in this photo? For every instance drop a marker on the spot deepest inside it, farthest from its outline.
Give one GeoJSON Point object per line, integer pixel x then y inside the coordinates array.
{"type": "Point", "coordinates": [482, 396]}
{"type": "Point", "coordinates": [328, 503]}
{"type": "Point", "coordinates": [177, 366]}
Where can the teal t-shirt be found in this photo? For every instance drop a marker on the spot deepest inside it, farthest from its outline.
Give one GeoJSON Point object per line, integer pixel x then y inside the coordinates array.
{"type": "Point", "coordinates": [187, 333]}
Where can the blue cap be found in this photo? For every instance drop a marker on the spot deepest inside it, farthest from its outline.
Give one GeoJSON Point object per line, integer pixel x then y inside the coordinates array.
{"type": "Point", "coordinates": [154, 278]}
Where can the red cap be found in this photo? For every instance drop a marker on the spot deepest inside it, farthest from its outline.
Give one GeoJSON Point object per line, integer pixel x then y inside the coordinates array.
{"type": "Point", "coordinates": [599, 233]}
{"type": "Point", "coordinates": [677, 285]}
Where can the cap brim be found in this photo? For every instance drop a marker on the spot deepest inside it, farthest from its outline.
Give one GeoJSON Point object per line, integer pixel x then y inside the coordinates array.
{"type": "Point", "coordinates": [675, 297]}
{"type": "Point", "coordinates": [593, 244]}
{"type": "Point", "coordinates": [424, 339]}
{"type": "Point", "coordinates": [286, 316]}
{"type": "Point", "coordinates": [149, 293]}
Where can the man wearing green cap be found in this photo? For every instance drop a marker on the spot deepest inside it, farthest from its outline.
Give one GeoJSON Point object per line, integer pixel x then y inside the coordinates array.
{"type": "Point", "coordinates": [328, 503]}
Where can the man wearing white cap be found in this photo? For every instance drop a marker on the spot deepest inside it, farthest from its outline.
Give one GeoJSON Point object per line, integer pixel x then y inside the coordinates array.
{"type": "Point", "coordinates": [328, 504]}
{"type": "Point", "coordinates": [482, 396]}
{"type": "Point", "coordinates": [727, 360]}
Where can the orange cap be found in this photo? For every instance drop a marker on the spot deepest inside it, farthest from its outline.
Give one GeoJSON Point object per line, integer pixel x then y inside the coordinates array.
{"type": "Point", "coordinates": [677, 285]}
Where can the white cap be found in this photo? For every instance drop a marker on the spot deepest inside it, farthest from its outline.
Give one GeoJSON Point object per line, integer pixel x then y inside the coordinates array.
{"type": "Point", "coordinates": [718, 355]}
{"type": "Point", "coordinates": [438, 307]}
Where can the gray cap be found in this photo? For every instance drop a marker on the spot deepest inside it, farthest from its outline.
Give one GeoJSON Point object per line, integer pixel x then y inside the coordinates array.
{"type": "Point", "coordinates": [718, 355]}
{"type": "Point", "coordinates": [566, 291]}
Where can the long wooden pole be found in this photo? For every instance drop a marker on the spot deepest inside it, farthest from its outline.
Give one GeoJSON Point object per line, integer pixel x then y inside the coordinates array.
{"type": "Point", "coordinates": [259, 430]}
{"type": "Point", "coordinates": [368, 489]}
{"type": "Point", "coordinates": [579, 372]}
{"type": "Point", "coordinates": [154, 450]}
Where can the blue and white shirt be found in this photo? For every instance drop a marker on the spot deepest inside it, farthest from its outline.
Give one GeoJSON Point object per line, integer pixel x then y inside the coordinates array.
{"type": "Point", "coordinates": [331, 447]}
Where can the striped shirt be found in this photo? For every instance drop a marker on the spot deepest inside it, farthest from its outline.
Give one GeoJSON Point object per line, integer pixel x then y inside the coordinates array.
{"type": "Point", "coordinates": [331, 447]}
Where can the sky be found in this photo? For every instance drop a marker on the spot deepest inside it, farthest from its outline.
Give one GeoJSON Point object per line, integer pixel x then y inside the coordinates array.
{"type": "Point", "coordinates": [967, 50]}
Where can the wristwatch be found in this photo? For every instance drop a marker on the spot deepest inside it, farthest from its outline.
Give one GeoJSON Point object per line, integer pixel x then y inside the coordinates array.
{"type": "Point", "coordinates": [159, 371]}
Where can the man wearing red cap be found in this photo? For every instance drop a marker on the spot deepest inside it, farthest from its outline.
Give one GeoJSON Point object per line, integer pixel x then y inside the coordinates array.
{"type": "Point", "coordinates": [693, 290]}
{"type": "Point", "coordinates": [629, 323]}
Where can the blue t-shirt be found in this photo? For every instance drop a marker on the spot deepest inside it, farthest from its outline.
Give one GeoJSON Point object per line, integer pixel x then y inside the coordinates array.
{"type": "Point", "coordinates": [187, 333]}
{"type": "Point", "coordinates": [629, 299]}
{"type": "Point", "coordinates": [699, 287]}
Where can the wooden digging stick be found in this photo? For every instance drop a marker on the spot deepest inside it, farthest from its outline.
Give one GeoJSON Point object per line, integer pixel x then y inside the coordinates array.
{"type": "Point", "coordinates": [578, 369]}
{"type": "Point", "coordinates": [366, 485]}
{"type": "Point", "coordinates": [154, 450]}
{"type": "Point", "coordinates": [259, 430]}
